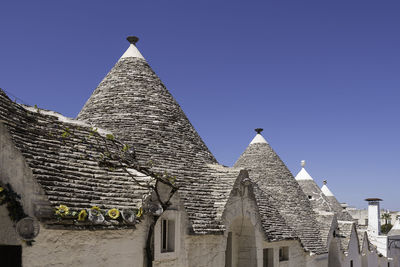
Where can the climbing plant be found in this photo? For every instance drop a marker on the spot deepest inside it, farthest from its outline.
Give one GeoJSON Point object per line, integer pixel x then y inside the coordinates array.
{"type": "Point", "coordinates": [111, 154]}
{"type": "Point", "coordinates": [12, 200]}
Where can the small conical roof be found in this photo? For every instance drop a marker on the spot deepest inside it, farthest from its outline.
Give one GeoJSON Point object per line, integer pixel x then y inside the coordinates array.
{"type": "Point", "coordinates": [273, 177]}
{"type": "Point", "coordinates": [342, 214]}
{"type": "Point", "coordinates": [303, 174]}
{"type": "Point", "coordinates": [326, 191]}
{"type": "Point", "coordinates": [134, 104]}
{"type": "Point", "coordinates": [396, 228]}
{"type": "Point", "coordinates": [318, 200]}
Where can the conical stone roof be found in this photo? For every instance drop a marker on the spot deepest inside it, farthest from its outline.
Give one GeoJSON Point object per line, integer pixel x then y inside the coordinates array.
{"type": "Point", "coordinates": [134, 104]}
{"type": "Point", "coordinates": [341, 213]}
{"type": "Point", "coordinates": [272, 176]}
{"type": "Point", "coordinates": [318, 199]}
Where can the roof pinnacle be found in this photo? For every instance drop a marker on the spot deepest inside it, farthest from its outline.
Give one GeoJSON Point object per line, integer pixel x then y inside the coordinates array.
{"type": "Point", "coordinates": [303, 163]}
{"type": "Point", "coordinates": [325, 182]}
{"type": "Point", "coordinates": [259, 130]}
{"type": "Point", "coordinates": [132, 39]}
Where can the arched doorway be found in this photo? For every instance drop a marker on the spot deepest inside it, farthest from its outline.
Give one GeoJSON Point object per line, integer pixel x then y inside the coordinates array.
{"type": "Point", "coordinates": [241, 244]}
{"type": "Point", "coordinates": [333, 255]}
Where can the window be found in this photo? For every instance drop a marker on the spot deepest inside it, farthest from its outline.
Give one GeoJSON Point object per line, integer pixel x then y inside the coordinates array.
{"type": "Point", "coordinates": [284, 254]}
{"type": "Point", "coordinates": [366, 221]}
{"type": "Point", "coordinates": [167, 236]}
{"type": "Point", "coordinates": [351, 263]}
{"type": "Point", "coordinates": [268, 257]}
{"type": "Point", "coordinates": [11, 255]}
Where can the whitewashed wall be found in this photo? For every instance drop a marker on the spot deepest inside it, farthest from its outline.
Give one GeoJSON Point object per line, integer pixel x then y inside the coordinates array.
{"type": "Point", "coordinates": [86, 248]}
{"type": "Point", "coordinates": [353, 253]}
{"type": "Point", "coordinates": [8, 236]}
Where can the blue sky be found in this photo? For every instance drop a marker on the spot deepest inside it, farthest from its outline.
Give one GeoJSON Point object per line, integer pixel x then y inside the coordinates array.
{"type": "Point", "coordinates": [322, 78]}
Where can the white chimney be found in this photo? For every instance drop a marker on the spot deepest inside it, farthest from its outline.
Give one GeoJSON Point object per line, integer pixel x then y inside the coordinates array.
{"type": "Point", "coordinates": [374, 216]}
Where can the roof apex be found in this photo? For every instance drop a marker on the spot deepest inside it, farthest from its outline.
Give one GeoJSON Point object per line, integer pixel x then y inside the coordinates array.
{"type": "Point", "coordinates": [258, 139]}
{"type": "Point", "coordinates": [326, 191]}
{"type": "Point", "coordinates": [303, 175]}
{"type": "Point", "coordinates": [132, 50]}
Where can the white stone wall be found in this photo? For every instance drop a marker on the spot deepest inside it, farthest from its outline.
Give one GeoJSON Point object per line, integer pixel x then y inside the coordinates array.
{"type": "Point", "coordinates": [15, 171]}
{"type": "Point", "coordinates": [316, 260]}
{"type": "Point", "coordinates": [87, 248]}
{"type": "Point", "coordinates": [205, 251]}
{"type": "Point", "coordinates": [297, 255]}
{"type": "Point", "coordinates": [394, 251]}
{"type": "Point", "coordinates": [8, 236]}
{"type": "Point", "coordinates": [353, 253]}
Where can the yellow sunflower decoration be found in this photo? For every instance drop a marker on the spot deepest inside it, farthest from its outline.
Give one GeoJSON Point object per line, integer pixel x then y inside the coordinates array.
{"type": "Point", "coordinates": [139, 213]}
{"type": "Point", "coordinates": [113, 213]}
{"type": "Point", "coordinates": [62, 210]}
{"type": "Point", "coordinates": [82, 215]}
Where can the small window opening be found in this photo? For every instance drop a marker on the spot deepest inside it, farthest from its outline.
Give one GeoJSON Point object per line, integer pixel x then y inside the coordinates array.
{"type": "Point", "coordinates": [309, 197]}
{"type": "Point", "coordinates": [11, 255]}
{"type": "Point", "coordinates": [284, 254]}
{"type": "Point", "coordinates": [351, 263]}
{"type": "Point", "coordinates": [268, 257]}
{"type": "Point", "coordinates": [167, 236]}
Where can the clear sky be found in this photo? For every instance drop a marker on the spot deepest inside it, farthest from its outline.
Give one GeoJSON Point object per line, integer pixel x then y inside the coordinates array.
{"type": "Point", "coordinates": [321, 77]}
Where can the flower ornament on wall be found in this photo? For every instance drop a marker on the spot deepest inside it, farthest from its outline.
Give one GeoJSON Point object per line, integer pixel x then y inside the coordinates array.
{"type": "Point", "coordinates": [113, 214]}
{"type": "Point", "coordinates": [129, 216]}
{"type": "Point", "coordinates": [62, 210]}
{"type": "Point", "coordinates": [82, 215]}
{"type": "Point", "coordinates": [139, 213]}
{"type": "Point", "coordinates": [95, 215]}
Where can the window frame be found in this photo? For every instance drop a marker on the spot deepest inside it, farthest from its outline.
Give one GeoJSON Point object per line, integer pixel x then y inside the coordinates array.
{"type": "Point", "coordinates": [159, 254]}
{"type": "Point", "coordinates": [283, 256]}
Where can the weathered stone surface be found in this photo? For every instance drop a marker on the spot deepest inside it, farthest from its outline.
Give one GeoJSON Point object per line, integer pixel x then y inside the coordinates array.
{"type": "Point", "coordinates": [341, 213]}
{"type": "Point", "coordinates": [273, 177]}
{"type": "Point", "coordinates": [67, 168]}
{"type": "Point", "coordinates": [317, 199]}
{"type": "Point", "coordinates": [134, 103]}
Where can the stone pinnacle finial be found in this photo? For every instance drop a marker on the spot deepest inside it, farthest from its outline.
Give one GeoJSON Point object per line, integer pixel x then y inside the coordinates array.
{"type": "Point", "coordinates": [132, 39]}
{"type": "Point", "coordinates": [303, 163]}
{"type": "Point", "coordinates": [325, 182]}
{"type": "Point", "coordinates": [259, 130]}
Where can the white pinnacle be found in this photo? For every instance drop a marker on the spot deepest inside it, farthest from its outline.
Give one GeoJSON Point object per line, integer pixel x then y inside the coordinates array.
{"type": "Point", "coordinates": [303, 174]}
{"type": "Point", "coordinates": [258, 139]}
{"type": "Point", "coordinates": [132, 51]}
{"type": "Point", "coordinates": [326, 190]}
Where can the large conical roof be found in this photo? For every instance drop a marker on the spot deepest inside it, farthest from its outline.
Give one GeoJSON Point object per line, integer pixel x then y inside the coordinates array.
{"type": "Point", "coordinates": [132, 102]}
{"type": "Point", "coordinates": [273, 177]}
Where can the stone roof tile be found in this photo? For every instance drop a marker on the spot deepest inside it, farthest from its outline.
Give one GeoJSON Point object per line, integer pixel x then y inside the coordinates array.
{"type": "Point", "coordinates": [66, 167]}
{"type": "Point", "coordinates": [273, 177]}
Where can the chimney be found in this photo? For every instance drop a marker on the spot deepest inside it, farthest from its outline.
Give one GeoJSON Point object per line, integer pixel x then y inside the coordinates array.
{"type": "Point", "coordinates": [374, 216]}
